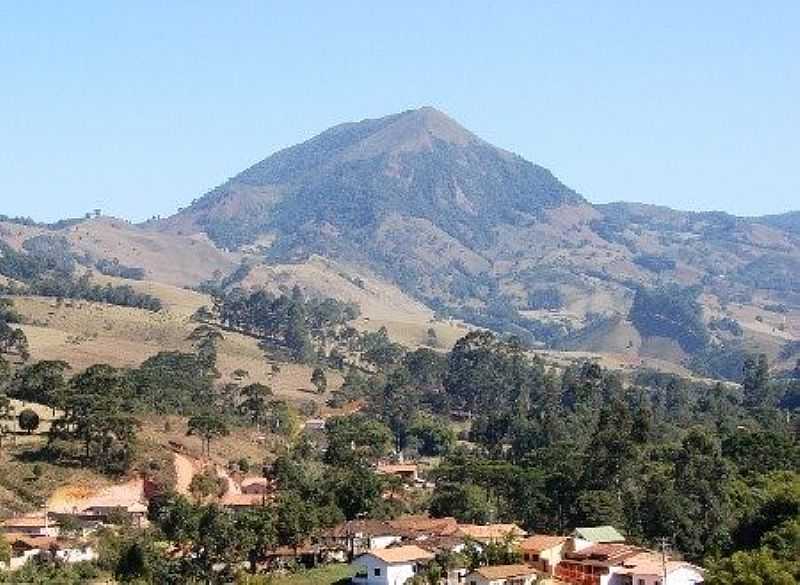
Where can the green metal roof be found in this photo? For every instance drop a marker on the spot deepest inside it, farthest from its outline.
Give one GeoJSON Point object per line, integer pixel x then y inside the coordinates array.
{"type": "Point", "coordinates": [600, 534]}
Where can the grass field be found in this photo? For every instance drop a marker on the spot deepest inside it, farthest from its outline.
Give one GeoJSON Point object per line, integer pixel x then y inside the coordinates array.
{"type": "Point", "coordinates": [84, 333]}
{"type": "Point", "coordinates": [328, 575]}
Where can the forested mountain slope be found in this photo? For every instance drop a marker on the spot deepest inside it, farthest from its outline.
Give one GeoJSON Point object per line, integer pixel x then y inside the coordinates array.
{"type": "Point", "coordinates": [479, 233]}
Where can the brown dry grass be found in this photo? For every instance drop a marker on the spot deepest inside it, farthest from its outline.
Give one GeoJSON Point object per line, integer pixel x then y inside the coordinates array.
{"type": "Point", "coordinates": [83, 333]}
{"type": "Point", "coordinates": [169, 258]}
{"type": "Point", "coordinates": [382, 304]}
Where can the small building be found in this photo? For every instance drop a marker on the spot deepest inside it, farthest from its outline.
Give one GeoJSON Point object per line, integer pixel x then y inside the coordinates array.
{"type": "Point", "coordinates": [390, 566]}
{"type": "Point", "coordinates": [32, 525]}
{"type": "Point", "coordinates": [485, 534]}
{"type": "Point", "coordinates": [419, 528]}
{"type": "Point", "coordinates": [503, 575]}
{"type": "Point", "coordinates": [25, 547]}
{"type": "Point", "coordinates": [241, 502]}
{"type": "Point", "coordinates": [255, 485]}
{"type": "Point", "coordinates": [359, 536]}
{"type": "Point", "coordinates": [648, 568]}
{"type": "Point", "coordinates": [596, 564]}
{"type": "Point", "coordinates": [408, 472]}
{"type": "Point", "coordinates": [543, 551]}
{"type": "Point", "coordinates": [622, 564]}
{"type": "Point", "coordinates": [314, 425]}
{"type": "Point", "coordinates": [107, 511]}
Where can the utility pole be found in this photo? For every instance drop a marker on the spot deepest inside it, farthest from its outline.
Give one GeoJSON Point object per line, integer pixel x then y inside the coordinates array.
{"type": "Point", "coordinates": [664, 561]}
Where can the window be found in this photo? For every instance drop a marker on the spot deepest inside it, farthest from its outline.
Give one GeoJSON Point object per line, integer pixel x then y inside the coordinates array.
{"type": "Point", "coordinates": [376, 572]}
{"type": "Point", "coordinates": [640, 582]}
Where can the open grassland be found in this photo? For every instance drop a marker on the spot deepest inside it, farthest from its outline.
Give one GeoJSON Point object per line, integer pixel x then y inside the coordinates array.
{"type": "Point", "coordinates": [28, 481]}
{"type": "Point", "coordinates": [382, 304]}
{"type": "Point", "coordinates": [84, 333]}
{"type": "Point", "coordinates": [169, 431]}
{"type": "Point", "coordinates": [170, 258]}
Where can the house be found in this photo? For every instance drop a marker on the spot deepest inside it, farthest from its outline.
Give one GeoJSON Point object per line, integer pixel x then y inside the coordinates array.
{"type": "Point", "coordinates": [599, 535]}
{"type": "Point", "coordinates": [408, 472]}
{"type": "Point", "coordinates": [420, 528]}
{"type": "Point", "coordinates": [359, 536]}
{"type": "Point", "coordinates": [543, 551]}
{"type": "Point", "coordinates": [32, 525]}
{"type": "Point", "coordinates": [595, 564]}
{"type": "Point", "coordinates": [314, 424]}
{"type": "Point", "coordinates": [485, 534]}
{"type": "Point", "coordinates": [390, 566]}
{"type": "Point", "coordinates": [255, 485]}
{"type": "Point", "coordinates": [241, 502]}
{"type": "Point", "coordinates": [25, 547]}
{"type": "Point", "coordinates": [503, 575]}
{"type": "Point", "coordinates": [649, 568]}
{"type": "Point", "coordinates": [622, 564]}
{"type": "Point", "coordinates": [135, 511]}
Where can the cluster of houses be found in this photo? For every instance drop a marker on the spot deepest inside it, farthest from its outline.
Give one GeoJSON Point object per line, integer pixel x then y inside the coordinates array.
{"type": "Point", "coordinates": [40, 535]}
{"type": "Point", "coordinates": [392, 552]}
{"type": "Point", "coordinates": [64, 534]}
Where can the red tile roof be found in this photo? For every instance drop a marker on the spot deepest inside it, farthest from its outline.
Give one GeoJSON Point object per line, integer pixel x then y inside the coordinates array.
{"type": "Point", "coordinates": [505, 572]}
{"type": "Point", "coordinates": [411, 526]}
{"type": "Point", "coordinates": [490, 531]}
{"type": "Point", "coordinates": [541, 542]}
{"type": "Point", "coordinates": [605, 554]}
{"type": "Point", "coordinates": [401, 554]}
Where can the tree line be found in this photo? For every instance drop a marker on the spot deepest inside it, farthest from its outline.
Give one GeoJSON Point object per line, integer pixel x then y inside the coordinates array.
{"type": "Point", "coordinates": [48, 268]}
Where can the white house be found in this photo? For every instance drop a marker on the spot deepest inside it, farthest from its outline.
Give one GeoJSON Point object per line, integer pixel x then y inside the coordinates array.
{"type": "Point", "coordinates": [390, 566]}
{"type": "Point", "coordinates": [621, 564]}
{"type": "Point", "coordinates": [648, 569]}
{"type": "Point", "coordinates": [503, 575]}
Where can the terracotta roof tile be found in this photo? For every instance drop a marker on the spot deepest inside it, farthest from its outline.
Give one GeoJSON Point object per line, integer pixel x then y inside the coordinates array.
{"type": "Point", "coordinates": [411, 526]}
{"type": "Point", "coordinates": [540, 542]}
{"type": "Point", "coordinates": [490, 531]}
{"type": "Point", "coordinates": [505, 571]}
{"type": "Point", "coordinates": [401, 554]}
{"type": "Point", "coordinates": [28, 522]}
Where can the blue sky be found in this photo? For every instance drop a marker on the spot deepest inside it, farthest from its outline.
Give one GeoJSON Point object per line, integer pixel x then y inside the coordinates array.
{"type": "Point", "coordinates": [138, 107]}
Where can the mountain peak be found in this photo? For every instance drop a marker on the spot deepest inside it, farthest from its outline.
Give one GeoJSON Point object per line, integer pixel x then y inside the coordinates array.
{"type": "Point", "coordinates": [412, 131]}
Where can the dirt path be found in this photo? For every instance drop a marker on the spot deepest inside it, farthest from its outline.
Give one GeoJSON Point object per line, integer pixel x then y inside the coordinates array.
{"type": "Point", "coordinates": [184, 470]}
{"type": "Point", "coordinates": [233, 487]}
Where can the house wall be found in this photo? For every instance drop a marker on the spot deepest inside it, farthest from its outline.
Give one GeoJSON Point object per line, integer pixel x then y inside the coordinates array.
{"type": "Point", "coordinates": [378, 542]}
{"type": "Point", "coordinates": [682, 576]}
{"type": "Point", "coordinates": [50, 530]}
{"type": "Point", "coordinates": [390, 574]}
{"type": "Point", "coordinates": [456, 577]}
{"type": "Point", "coordinates": [685, 576]}
{"type": "Point", "coordinates": [552, 556]}
{"type": "Point", "coordinates": [548, 559]}
{"type": "Point", "coordinates": [76, 555]}
{"type": "Point", "coordinates": [477, 579]}
{"type": "Point", "coordinates": [19, 561]}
